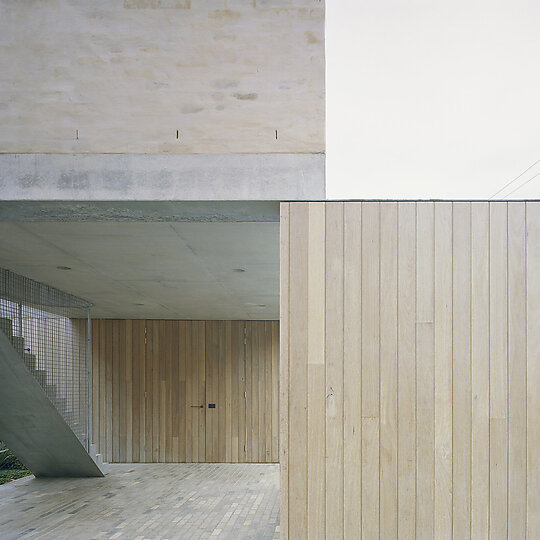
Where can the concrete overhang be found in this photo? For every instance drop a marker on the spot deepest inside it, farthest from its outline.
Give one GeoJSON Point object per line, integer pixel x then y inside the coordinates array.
{"type": "Point", "coordinates": [162, 177]}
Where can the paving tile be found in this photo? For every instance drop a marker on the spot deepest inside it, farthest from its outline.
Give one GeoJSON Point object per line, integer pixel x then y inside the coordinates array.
{"type": "Point", "coordinates": [147, 501]}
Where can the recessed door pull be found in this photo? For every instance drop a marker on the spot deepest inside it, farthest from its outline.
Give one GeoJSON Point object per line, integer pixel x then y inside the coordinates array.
{"type": "Point", "coordinates": [198, 406]}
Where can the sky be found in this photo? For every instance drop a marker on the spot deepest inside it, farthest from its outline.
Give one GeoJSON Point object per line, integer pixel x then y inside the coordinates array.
{"type": "Point", "coordinates": [433, 99]}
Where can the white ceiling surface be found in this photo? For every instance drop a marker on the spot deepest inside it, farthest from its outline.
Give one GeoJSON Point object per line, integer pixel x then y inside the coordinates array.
{"type": "Point", "coordinates": [175, 270]}
{"type": "Point", "coordinates": [432, 99]}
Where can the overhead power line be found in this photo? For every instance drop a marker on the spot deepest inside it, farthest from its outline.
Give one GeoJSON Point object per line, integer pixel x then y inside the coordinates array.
{"type": "Point", "coordinates": [521, 185]}
{"type": "Point", "coordinates": [516, 178]}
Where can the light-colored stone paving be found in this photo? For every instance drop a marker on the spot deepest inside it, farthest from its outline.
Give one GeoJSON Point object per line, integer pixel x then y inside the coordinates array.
{"type": "Point", "coordinates": [147, 501]}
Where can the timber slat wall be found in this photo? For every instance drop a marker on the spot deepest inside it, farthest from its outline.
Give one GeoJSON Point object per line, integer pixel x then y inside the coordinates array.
{"type": "Point", "coordinates": [150, 377]}
{"type": "Point", "coordinates": [410, 370]}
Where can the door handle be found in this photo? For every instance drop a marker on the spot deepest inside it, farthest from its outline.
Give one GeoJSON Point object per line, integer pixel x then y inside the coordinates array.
{"type": "Point", "coordinates": [198, 406]}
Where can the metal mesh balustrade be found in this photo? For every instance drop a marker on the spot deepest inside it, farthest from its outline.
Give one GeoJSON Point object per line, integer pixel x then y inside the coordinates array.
{"type": "Point", "coordinates": [49, 329]}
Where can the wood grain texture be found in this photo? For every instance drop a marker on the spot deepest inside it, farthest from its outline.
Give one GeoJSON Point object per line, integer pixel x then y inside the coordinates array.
{"type": "Point", "coordinates": [428, 406]}
{"type": "Point", "coordinates": [150, 379]}
{"type": "Point", "coordinates": [352, 372]}
{"type": "Point", "coordinates": [532, 235]}
{"type": "Point", "coordinates": [334, 269]}
{"type": "Point", "coordinates": [284, 387]}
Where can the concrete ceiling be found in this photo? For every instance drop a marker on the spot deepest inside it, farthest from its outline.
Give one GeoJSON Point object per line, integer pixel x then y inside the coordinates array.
{"type": "Point", "coordinates": [175, 270]}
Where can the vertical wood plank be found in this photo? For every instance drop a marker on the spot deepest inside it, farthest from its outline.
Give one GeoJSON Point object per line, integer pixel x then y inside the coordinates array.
{"type": "Point", "coordinates": [249, 391]}
{"type": "Point", "coordinates": [268, 391]}
{"type": "Point", "coordinates": [162, 403]}
{"type": "Point", "coordinates": [334, 367]}
{"type": "Point", "coordinates": [155, 394]}
{"type": "Point", "coordinates": [175, 392]}
{"type": "Point", "coordinates": [95, 383]}
{"type": "Point", "coordinates": [209, 387]}
{"type": "Point", "coordinates": [255, 392]}
{"type": "Point", "coordinates": [284, 388]}
{"type": "Point", "coordinates": [199, 329]}
{"type": "Point", "coordinates": [228, 391]}
{"type": "Point", "coordinates": [242, 455]}
{"type": "Point", "coordinates": [109, 389]}
{"type": "Point", "coordinates": [129, 391]}
{"type": "Point", "coordinates": [275, 392]}
{"type": "Point", "coordinates": [316, 372]}
{"type": "Point", "coordinates": [192, 442]}
{"type": "Point", "coordinates": [115, 391]}
{"type": "Point", "coordinates": [443, 371]}
{"type": "Point", "coordinates": [136, 392]}
{"type": "Point", "coordinates": [480, 370]}
{"type": "Point", "coordinates": [221, 398]}
{"type": "Point", "coordinates": [211, 424]}
{"type": "Point", "coordinates": [370, 362]}
{"type": "Point", "coordinates": [406, 370]}
{"type": "Point", "coordinates": [533, 368]}
{"type": "Point", "coordinates": [498, 370]}
{"type": "Point", "coordinates": [261, 395]}
{"type": "Point", "coordinates": [425, 370]}
{"type": "Point", "coordinates": [235, 395]}
{"type": "Point", "coordinates": [103, 390]}
{"type": "Point", "coordinates": [169, 388]}
{"type": "Point", "coordinates": [298, 372]}
{"type": "Point", "coordinates": [122, 391]}
{"type": "Point", "coordinates": [517, 372]}
{"type": "Point", "coordinates": [461, 362]}
{"type": "Point", "coordinates": [389, 369]}
{"type": "Point", "coordinates": [184, 411]}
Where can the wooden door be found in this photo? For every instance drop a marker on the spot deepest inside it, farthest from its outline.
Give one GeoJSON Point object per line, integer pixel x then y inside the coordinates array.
{"type": "Point", "coordinates": [186, 391]}
{"type": "Point", "coordinates": [225, 391]}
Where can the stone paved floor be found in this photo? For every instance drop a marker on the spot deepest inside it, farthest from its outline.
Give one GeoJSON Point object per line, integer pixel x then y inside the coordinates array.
{"type": "Point", "coordinates": [147, 501]}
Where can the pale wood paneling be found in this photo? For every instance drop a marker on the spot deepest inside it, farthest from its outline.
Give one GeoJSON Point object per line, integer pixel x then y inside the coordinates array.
{"type": "Point", "coordinates": [443, 370]}
{"type": "Point", "coordinates": [334, 368]}
{"type": "Point", "coordinates": [388, 365]}
{"type": "Point", "coordinates": [284, 386]}
{"type": "Point", "coordinates": [425, 370]}
{"type": "Point", "coordinates": [532, 257]}
{"type": "Point", "coordinates": [150, 379]}
{"type": "Point", "coordinates": [352, 373]}
{"type": "Point", "coordinates": [298, 342]}
{"type": "Point", "coordinates": [427, 397]}
{"type": "Point", "coordinates": [316, 376]}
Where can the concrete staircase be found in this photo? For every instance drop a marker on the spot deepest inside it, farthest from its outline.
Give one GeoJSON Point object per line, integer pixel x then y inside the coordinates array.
{"type": "Point", "coordinates": [31, 424]}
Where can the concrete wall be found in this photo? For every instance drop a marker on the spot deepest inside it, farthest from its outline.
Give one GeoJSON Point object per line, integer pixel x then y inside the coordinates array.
{"type": "Point", "coordinates": [160, 177]}
{"type": "Point", "coordinates": [410, 367]}
{"type": "Point", "coordinates": [122, 76]}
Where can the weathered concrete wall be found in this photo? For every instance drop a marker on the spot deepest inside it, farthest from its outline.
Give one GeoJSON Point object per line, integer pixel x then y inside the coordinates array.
{"type": "Point", "coordinates": [122, 76]}
{"type": "Point", "coordinates": [155, 177]}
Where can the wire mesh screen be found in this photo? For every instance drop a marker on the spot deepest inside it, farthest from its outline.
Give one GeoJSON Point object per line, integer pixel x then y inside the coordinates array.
{"type": "Point", "coordinates": [49, 329]}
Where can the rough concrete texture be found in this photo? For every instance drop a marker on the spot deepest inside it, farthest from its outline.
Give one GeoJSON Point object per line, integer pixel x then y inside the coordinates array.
{"type": "Point", "coordinates": [31, 426]}
{"type": "Point", "coordinates": [175, 501]}
{"type": "Point", "coordinates": [141, 211]}
{"type": "Point", "coordinates": [150, 177]}
{"type": "Point", "coordinates": [162, 76]}
{"type": "Point", "coordinates": [153, 270]}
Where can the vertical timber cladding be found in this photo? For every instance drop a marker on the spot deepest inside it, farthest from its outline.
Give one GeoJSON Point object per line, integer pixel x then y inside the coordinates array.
{"type": "Point", "coordinates": [410, 368]}
{"type": "Point", "coordinates": [150, 378]}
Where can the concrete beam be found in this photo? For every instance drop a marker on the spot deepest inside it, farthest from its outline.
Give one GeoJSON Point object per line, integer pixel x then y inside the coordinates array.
{"type": "Point", "coordinates": [162, 177]}
{"type": "Point", "coordinates": [140, 211]}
